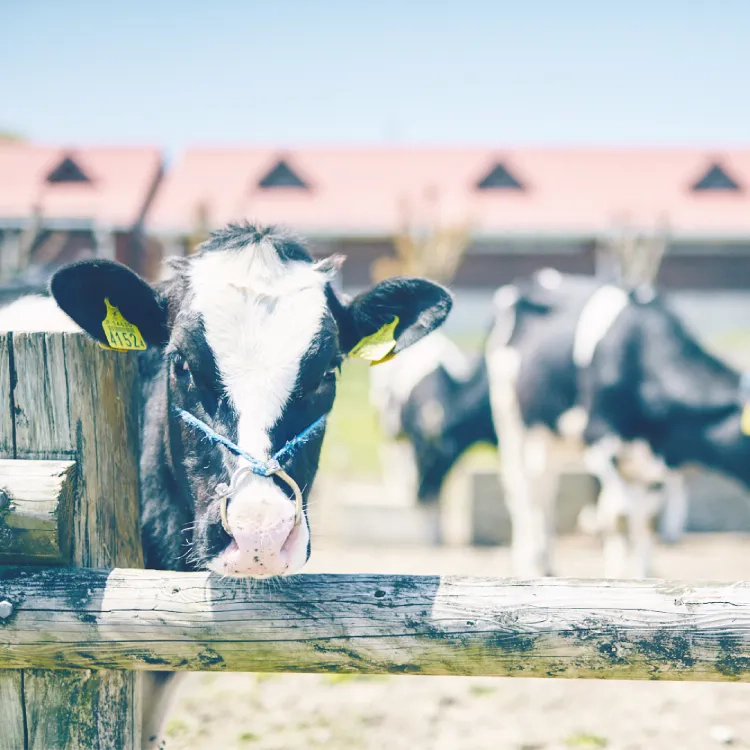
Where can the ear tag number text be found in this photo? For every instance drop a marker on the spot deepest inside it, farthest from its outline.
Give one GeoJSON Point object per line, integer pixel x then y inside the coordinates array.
{"type": "Point", "coordinates": [122, 336]}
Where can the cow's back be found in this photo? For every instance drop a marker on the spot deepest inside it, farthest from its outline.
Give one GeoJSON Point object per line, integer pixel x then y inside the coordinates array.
{"type": "Point", "coordinates": [35, 312]}
{"type": "Point", "coordinates": [540, 328]}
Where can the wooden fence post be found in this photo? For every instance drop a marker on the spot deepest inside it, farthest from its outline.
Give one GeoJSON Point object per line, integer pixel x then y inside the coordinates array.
{"type": "Point", "coordinates": [63, 397]}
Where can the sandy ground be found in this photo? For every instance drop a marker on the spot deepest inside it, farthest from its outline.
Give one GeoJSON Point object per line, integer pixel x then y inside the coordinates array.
{"type": "Point", "coordinates": [338, 712]}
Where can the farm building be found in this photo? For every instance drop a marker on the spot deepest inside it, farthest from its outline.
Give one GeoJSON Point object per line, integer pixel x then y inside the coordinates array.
{"type": "Point", "coordinates": [523, 208]}
{"type": "Point", "coordinates": [58, 205]}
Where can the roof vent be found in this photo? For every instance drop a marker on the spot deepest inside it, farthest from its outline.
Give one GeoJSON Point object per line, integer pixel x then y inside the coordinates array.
{"type": "Point", "coordinates": [499, 178]}
{"type": "Point", "coordinates": [716, 179]}
{"type": "Point", "coordinates": [67, 171]}
{"type": "Point", "coordinates": [282, 176]}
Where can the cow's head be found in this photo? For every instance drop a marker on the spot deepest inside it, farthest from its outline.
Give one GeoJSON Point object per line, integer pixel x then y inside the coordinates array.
{"type": "Point", "coordinates": [248, 336]}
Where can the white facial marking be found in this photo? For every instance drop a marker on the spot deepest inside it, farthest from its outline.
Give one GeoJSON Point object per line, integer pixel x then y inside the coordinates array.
{"type": "Point", "coordinates": [260, 316]}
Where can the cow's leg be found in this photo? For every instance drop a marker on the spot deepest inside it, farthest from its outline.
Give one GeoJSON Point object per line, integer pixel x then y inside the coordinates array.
{"type": "Point", "coordinates": [613, 523]}
{"type": "Point", "coordinates": [159, 692]}
{"type": "Point", "coordinates": [544, 476]}
{"type": "Point", "coordinates": [626, 511]}
{"type": "Point", "coordinates": [529, 489]}
{"type": "Point", "coordinates": [613, 505]}
{"type": "Point", "coordinates": [642, 518]}
{"type": "Point", "coordinates": [674, 518]}
{"type": "Point", "coordinates": [650, 487]}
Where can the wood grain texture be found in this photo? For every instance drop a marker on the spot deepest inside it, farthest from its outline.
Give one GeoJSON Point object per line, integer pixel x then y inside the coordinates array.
{"type": "Point", "coordinates": [7, 378]}
{"type": "Point", "coordinates": [149, 620]}
{"type": "Point", "coordinates": [66, 398]}
{"type": "Point", "coordinates": [11, 710]}
{"type": "Point", "coordinates": [75, 400]}
{"type": "Point", "coordinates": [88, 721]}
{"type": "Point", "coordinates": [12, 718]}
{"type": "Point", "coordinates": [36, 504]}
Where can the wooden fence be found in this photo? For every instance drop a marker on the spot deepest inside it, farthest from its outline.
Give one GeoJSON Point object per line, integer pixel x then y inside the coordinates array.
{"type": "Point", "coordinates": [76, 633]}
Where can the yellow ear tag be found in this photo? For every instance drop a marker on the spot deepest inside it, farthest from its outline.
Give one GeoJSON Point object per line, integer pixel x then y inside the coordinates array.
{"type": "Point", "coordinates": [122, 336]}
{"type": "Point", "coordinates": [745, 420]}
{"type": "Point", "coordinates": [377, 347]}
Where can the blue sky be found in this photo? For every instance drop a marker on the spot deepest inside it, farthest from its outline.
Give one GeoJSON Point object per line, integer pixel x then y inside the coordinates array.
{"type": "Point", "coordinates": [552, 72]}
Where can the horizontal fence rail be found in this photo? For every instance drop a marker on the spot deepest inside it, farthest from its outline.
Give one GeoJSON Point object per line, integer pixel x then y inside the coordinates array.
{"type": "Point", "coordinates": [148, 620]}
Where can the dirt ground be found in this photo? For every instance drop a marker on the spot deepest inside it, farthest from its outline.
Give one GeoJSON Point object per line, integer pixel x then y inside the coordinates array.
{"type": "Point", "coordinates": [345, 712]}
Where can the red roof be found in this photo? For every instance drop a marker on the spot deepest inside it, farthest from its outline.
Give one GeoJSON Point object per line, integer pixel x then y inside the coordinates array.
{"type": "Point", "coordinates": [362, 190]}
{"type": "Point", "coordinates": [118, 190]}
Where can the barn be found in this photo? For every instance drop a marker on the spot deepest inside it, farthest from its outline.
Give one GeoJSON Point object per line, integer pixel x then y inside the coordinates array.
{"type": "Point", "coordinates": [523, 208]}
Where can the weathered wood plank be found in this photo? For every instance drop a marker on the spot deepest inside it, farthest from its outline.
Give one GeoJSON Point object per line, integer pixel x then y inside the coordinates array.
{"type": "Point", "coordinates": [11, 710]}
{"type": "Point", "coordinates": [36, 504]}
{"type": "Point", "coordinates": [7, 428]}
{"type": "Point", "coordinates": [148, 620]}
{"type": "Point", "coordinates": [12, 717]}
{"type": "Point", "coordinates": [71, 399]}
{"type": "Point", "coordinates": [86, 723]}
{"type": "Point", "coordinates": [40, 397]}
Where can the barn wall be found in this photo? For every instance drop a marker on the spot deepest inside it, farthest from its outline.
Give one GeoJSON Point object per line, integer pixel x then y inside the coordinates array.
{"type": "Point", "coordinates": [491, 263]}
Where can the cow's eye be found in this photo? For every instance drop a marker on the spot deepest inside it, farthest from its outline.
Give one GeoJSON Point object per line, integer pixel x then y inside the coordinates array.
{"type": "Point", "coordinates": [180, 366]}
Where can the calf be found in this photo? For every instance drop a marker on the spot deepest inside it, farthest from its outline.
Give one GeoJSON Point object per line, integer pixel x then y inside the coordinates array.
{"type": "Point", "coordinates": [618, 375]}
{"type": "Point", "coordinates": [239, 350]}
{"type": "Point", "coordinates": [437, 401]}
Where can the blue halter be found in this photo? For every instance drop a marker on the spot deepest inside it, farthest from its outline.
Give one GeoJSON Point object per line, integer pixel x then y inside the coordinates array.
{"type": "Point", "coordinates": [267, 468]}
{"type": "Point", "coordinates": [261, 468]}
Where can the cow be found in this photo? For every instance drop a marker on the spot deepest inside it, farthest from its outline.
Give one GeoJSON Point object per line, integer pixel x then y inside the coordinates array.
{"type": "Point", "coordinates": [434, 400]}
{"type": "Point", "coordinates": [239, 349]}
{"type": "Point", "coordinates": [616, 374]}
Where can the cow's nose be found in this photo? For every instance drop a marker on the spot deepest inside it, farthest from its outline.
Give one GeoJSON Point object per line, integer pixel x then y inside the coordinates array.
{"type": "Point", "coordinates": [266, 541]}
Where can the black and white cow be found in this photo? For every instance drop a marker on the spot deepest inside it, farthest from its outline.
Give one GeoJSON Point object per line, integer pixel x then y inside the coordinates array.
{"type": "Point", "coordinates": [435, 400]}
{"type": "Point", "coordinates": [618, 375]}
{"type": "Point", "coordinates": [247, 335]}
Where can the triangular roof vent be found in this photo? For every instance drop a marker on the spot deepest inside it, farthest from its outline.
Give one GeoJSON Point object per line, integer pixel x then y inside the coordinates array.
{"type": "Point", "coordinates": [282, 176]}
{"type": "Point", "coordinates": [67, 171]}
{"type": "Point", "coordinates": [716, 179]}
{"type": "Point", "coordinates": [499, 178]}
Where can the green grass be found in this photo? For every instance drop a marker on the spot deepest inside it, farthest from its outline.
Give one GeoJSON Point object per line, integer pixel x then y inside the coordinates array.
{"type": "Point", "coordinates": [351, 444]}
{"type": "Point", "coordinates": [347, 677]}
{"type": "Point", "coordinates": [733, 339]}
{"type": "Point", "coordinates": [177, 728]}
{"type": "Point", "coordinates": [480, 690]}
{"type": "Point", "coordinates": [585, 741]}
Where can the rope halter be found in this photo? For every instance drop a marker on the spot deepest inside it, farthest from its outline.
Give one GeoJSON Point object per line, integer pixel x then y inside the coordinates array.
{"type": "Point", "coordinates": [269, 468]}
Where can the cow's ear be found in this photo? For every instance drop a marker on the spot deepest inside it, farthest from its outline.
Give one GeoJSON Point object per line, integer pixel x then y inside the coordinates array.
{"type": "Point", "coordinates": [394, 314]}
{"type": "Point", "coordinates": [111, 304]}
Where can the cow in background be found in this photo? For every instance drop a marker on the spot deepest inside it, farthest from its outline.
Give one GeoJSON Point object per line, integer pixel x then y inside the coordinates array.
{"type": "Point", "coordinates": [617, 374]}
{"type": "Point", "coordinates": [433, 404]}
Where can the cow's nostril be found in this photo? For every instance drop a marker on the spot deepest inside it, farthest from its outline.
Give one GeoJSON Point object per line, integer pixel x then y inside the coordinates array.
{"type": "Point", "coordinates": [223, 495]}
